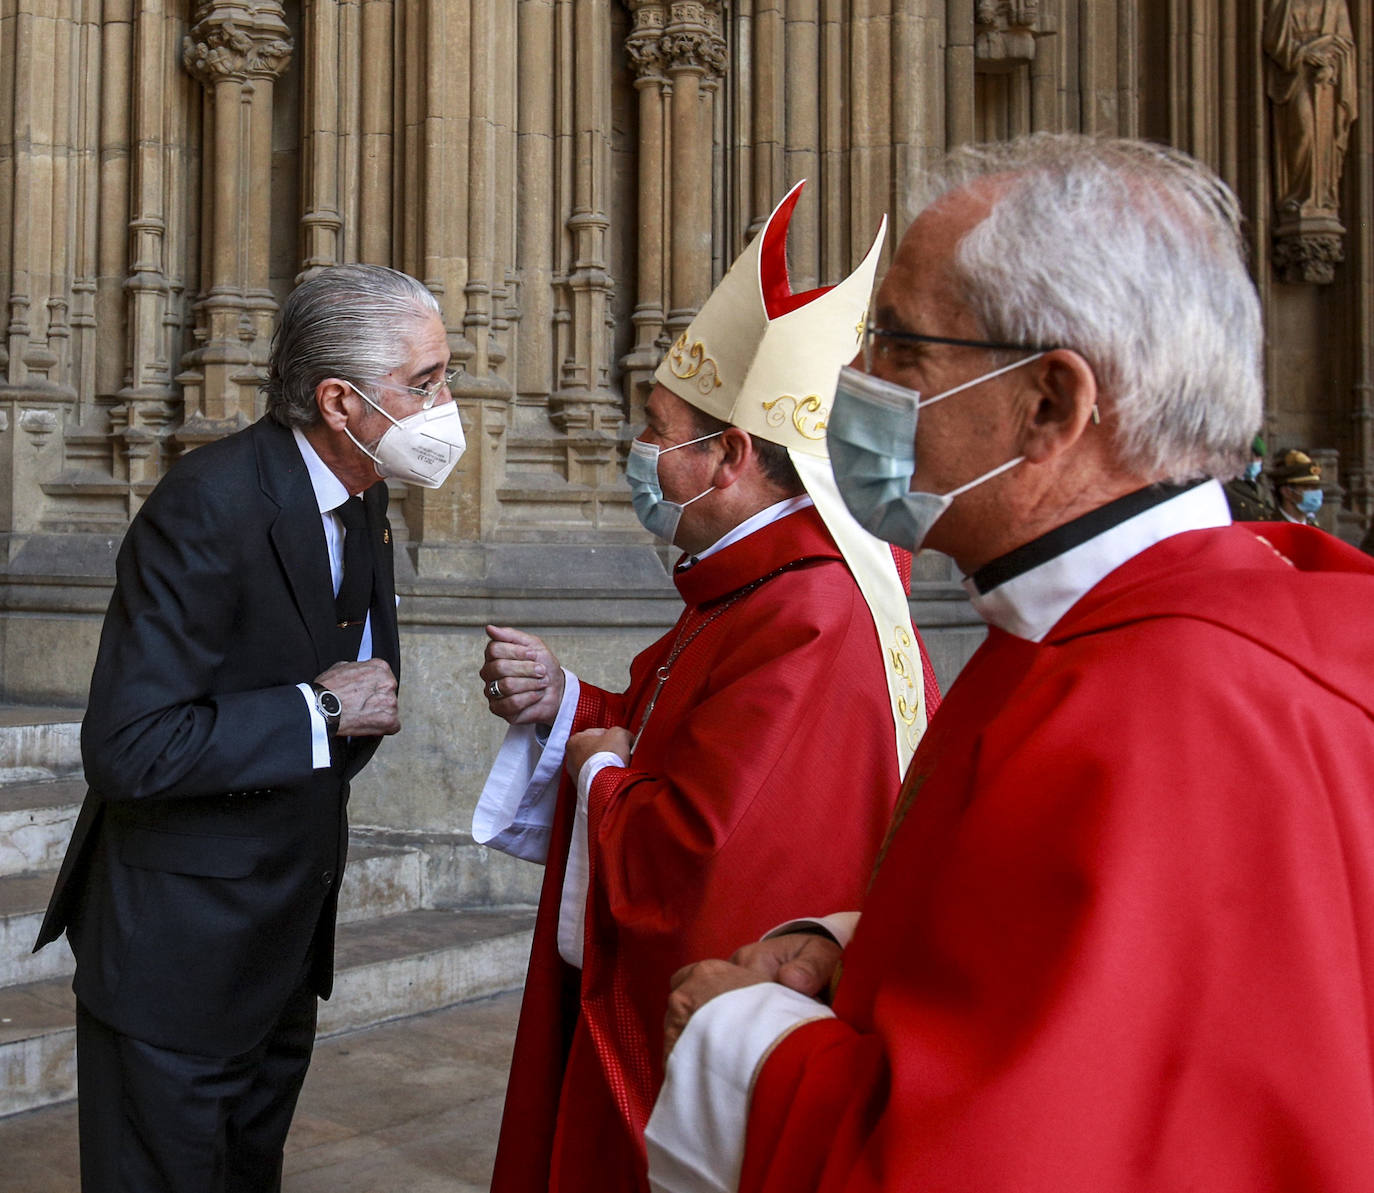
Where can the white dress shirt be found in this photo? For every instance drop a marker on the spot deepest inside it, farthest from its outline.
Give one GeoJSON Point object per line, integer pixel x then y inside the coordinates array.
{"type": "Point", "coordinates": [330, 493]}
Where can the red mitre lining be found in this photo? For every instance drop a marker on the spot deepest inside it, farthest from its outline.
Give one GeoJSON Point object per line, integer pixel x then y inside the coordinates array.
{"type": "Point", "coordinates": [778, 298]}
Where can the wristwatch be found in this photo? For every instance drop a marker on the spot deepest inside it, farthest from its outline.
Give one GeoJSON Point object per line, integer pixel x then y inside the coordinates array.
{"type": "Point", "coordinates": [330, 706]}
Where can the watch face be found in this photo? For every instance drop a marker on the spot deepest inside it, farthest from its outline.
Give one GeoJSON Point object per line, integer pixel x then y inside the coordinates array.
{"type": "Point", "coordinates": [329, 704]}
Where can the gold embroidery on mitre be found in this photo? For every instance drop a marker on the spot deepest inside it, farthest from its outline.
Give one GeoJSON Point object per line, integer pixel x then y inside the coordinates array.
{"type": "Point", "coordinates": [808, 414]}
{"type": "Point", "coordinates": [691, 361]}
{"type": "Point", "coordinates": [903, 667]}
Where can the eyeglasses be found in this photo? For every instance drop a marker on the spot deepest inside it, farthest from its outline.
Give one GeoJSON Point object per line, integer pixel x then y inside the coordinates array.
{"type": "Point", "coordinates": [427, 393]}
{"type": "Point", "coordinates": [872, 333]}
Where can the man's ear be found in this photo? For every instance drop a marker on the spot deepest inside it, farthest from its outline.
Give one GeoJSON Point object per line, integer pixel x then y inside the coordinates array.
{"type": "Point", "coordinates": [1063, 404]}
{"type": "Point", "coordinates": [737, 450]}
{"type": "Point", "coordinates": [331, 396]}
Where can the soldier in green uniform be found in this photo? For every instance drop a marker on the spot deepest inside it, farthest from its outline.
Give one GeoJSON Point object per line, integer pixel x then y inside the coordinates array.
{"type": "Point", "coordinates": [1249, 498]}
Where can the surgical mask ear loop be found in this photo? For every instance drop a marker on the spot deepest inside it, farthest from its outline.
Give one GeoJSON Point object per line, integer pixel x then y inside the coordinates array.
{"type": "Point", "coordinates": [1001, 468]}
{"type": "Point", "coordinates": [987, 476]}
{"type": "Point", "coordinates": [688, 443]}
{"type": "Point", "coordinates": [940, 397]}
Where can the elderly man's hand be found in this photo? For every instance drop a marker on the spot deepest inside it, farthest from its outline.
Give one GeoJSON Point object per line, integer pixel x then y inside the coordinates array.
{"type": "Point", "coordinates": [694, 986]}
{"type": "Point", "coordinates": [799, 960]}
{"type": "Point", "coordinates": [521, 679]}
{"type": "Point", "coordinates": [367, 692]}
{"type": "Point", "coordinates": [582, 746]}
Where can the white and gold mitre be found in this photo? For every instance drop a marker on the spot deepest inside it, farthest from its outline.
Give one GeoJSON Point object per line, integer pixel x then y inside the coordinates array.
{"type": "Point", "coordinates": [763, 358]}
{"type": "Point", "coordinates": [767, 360]}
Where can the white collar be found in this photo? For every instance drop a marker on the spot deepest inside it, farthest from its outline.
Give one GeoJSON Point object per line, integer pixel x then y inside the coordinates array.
{"type": "Point", "coordinates": [764, 517]}
{"type": "Point", "coordinates": [330, 491]}
{"type": "Point", "coordinates": [1030, 604]}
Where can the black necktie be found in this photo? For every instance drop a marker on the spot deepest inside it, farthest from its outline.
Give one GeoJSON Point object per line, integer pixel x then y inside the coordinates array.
{"type": "Point", "coordinates": [355, 589]}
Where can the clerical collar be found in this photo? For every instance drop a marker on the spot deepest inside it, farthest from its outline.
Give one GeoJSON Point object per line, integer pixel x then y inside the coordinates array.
{"type": "Point", "coordinates": [330, 491]}
{"type": "Point", "coordinates": [1028, 590]}
{"type": "Point", "coordinates": [765, 517]}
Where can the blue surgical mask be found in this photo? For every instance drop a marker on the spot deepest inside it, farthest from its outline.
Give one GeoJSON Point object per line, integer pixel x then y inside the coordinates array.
{"type": "Point", "coordinates": [1310, 501]}
{"type": "Point", "coordinates": [872, 436]}
{"type": "Point", "coordinates": [1252, 470]}
{"type": "Point", "coordinates": [657, 515]}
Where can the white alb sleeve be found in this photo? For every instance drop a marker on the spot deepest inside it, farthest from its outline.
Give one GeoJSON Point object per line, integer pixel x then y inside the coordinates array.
{"type": "Point", "coordinates": [514, 813]}
{"type": "Point", "coordinates": [840, 926]}
{"type": "Point", "coordinates": [695, 1136]}
{"type": "Point", "coordinates": [572, 909]}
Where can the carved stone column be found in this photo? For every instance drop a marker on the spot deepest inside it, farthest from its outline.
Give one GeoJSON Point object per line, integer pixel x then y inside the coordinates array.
{"type": "Point", "coordinates": [147, 398]}
{"type": "Point", "coordinates": [693, 49]}
{"type": "Point", "coordinates": [35, 353]}
{"type": "Point", "coordinates": [326, 84]}
{"type": "Point", "coordinates": [235, 50]}
{"type": "Point", "coordinates": [585, 402]}
{"type": "Point", "coordinates": [646, 52]}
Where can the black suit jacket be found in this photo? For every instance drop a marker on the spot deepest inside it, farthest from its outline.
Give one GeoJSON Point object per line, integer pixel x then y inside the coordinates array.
{"type": "Point", "coordinates": [203, 873]}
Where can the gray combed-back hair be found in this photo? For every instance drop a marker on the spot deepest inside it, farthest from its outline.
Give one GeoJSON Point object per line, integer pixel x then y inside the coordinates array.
{"type": "Point", "coordinates": [1131, 254]}
{"type": "Point", "coordinates": [348, 321]}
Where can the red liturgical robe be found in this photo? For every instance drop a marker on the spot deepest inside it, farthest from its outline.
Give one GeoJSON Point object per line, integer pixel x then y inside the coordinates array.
{"type": "Point", "coordinates": [739, 805]}
{"type": "Point", "coordinates": [1124, 937]}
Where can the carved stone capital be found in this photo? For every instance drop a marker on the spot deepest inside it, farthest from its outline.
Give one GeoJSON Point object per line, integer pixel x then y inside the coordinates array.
{"type": "Point", "coordinates": [1005, 30]}
{"type": "Point", "coordinates": [692, 42]}
{"type": "Point", "coordinates": [645, 50]}
{"type": "Point", "coordinates": [237, 41]}
{"type": "Point", "coordinates": [1308, 256]}
{"type": "Point", "coordinates": [694, 51]}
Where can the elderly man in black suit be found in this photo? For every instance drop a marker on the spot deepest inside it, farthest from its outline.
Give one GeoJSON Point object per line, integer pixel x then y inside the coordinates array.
{"type": "Point", "coordinates": [246, 672]}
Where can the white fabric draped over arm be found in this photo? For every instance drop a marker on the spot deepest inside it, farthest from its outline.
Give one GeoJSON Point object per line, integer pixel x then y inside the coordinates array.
{"type": "Point", "coordinates": [695, 1136]}
{"type": "Point", "coordinates": [514, 813]}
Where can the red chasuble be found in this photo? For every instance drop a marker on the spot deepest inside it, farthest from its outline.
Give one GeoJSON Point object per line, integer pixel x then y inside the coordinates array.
{"type": "Point", "coordinates": [1123, 939]}
{"type": "Point", "coordinates": [761, 785]}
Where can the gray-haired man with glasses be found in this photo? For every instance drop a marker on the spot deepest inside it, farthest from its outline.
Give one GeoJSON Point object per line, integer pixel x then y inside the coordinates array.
{"type": "Point", "coordinates": [1122, 932]}
{"type": "Point", "coordinates": [246, 672]}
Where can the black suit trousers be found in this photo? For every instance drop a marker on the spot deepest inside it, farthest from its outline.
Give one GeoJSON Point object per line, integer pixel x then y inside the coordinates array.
{"type": "Point", "coordinates": [153, 1120]}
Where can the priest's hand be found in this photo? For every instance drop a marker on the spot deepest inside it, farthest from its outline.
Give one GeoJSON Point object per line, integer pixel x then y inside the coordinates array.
{"type": "Point", "coordinates": [582, 746]}
{"type": "Point", "coordinates": [694, 986]}
{"type": "Point", "coordinates": [800, 961]}
{"type": "Point", "coordinates": [521, 678]}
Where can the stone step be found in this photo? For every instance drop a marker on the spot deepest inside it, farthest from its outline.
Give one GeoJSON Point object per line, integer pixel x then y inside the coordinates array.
{"type": "Point", "coordinates": [379, 881]}
{"type": "Point", "coordinates": [39, 743]}
{"type": "Point", "coordinates": [423, 960]}
{"type": "Point", "coordinates": [37, 1045]}
{"type": "Point", "coordinates": [36, 821]}
{"type": "Point", "coordinates": [387, 969]}
{"type": "Point", "coordinates": [23, 899]}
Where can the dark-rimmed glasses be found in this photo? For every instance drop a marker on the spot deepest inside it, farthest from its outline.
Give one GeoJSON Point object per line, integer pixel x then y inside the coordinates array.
{"type": "Point", "coordinates": [873, 332]}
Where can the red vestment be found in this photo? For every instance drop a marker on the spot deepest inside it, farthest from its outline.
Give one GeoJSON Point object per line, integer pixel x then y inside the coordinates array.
{"type": "Point", "coordinates": [740, 806]}
{"type": "Point", "coordinates": [1123, 939]}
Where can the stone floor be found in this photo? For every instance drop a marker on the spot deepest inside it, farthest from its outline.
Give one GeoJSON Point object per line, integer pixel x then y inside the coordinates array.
{"type": "Point", "coordinates": [410, 1106]}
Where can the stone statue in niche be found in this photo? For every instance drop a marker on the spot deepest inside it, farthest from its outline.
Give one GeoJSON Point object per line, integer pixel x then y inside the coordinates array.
{"type": "Point", "coordinates": [1311, 85]}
